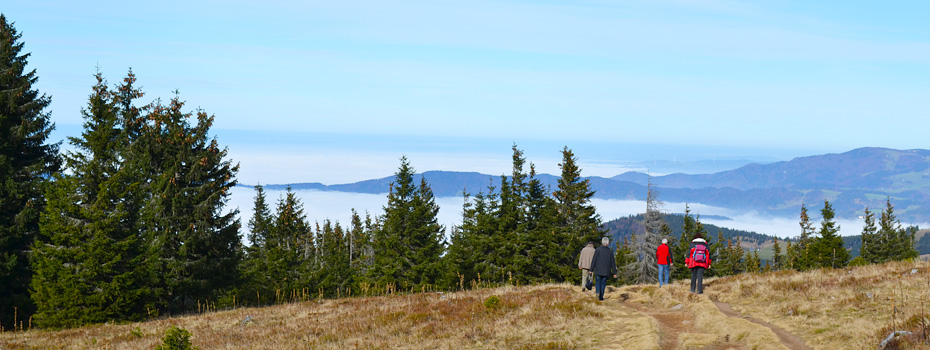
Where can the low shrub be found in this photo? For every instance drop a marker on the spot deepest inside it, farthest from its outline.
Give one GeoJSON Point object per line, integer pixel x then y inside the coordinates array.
{"type": "Point", "coordinates": [176, 339]}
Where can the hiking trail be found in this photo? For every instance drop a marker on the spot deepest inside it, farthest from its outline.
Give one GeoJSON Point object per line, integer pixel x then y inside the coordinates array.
{"type": "Point", "coordinates": [788, 339]}
{"type": "Point", "coordinates": [652, 324]}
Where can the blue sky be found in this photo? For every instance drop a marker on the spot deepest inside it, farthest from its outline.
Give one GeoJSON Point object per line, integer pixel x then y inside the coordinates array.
{"type": "Point", "coordinates": [337, 91]}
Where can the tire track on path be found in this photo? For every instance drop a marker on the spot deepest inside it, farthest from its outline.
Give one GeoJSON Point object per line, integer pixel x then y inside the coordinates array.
{"type": "Point", "coordinates": [788, 339]}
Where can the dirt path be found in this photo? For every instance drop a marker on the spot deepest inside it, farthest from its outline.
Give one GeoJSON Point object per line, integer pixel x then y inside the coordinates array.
{"type": "Point", "coordinates": [671, 324]}
{"type": "Point", "coordinates": [789, 340]}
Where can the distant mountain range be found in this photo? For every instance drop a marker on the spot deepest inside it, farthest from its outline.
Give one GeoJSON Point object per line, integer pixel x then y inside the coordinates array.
{"type": "Point", "coordinates": [851, 181]}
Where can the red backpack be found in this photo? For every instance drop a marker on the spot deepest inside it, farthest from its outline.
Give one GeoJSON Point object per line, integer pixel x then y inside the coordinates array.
{"type": "Point", "coordinates": [700, 254]}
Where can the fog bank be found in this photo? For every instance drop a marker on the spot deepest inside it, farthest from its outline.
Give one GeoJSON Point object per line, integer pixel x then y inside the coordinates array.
{"type": "Point", "coordinates": [337, 207]}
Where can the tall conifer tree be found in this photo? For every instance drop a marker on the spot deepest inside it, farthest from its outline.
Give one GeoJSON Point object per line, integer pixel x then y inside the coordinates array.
{"type": "Point", "coordinates": [895, 243]}
{"type": "Point", "coordinates": [870, 248]}
{"type": "Point", "coordinates": [777, 257]}
{"type": "Point", "coordinates": [88, 259]}
{"type": "Point", "coordinates": [334, 275]}
{"type": "Point", "coordinates": [578, 220]}
{"type": "Point", "coordinates": [360, 252]}
{"type": "Point", "coordinates": [827, 249]}
{"type": "Point", "coordinates": [408, 243]}
{"type": "Point", "coordinates": [195, 246]}
{"type": "Point", "coordinates": [514, 238]}
{"type": "Point", "coordinates": [716, 247]}
{"type": "Point", "coordinates": [256, 263]}
{"type": "Point", "coordinates": [27, 161]}
{"type": "Point", "coordinates": [690, 227]}
{"type": "Point", "coordinates": [803, 247]}
{"type": "Point", "coordinates": [543, 240]}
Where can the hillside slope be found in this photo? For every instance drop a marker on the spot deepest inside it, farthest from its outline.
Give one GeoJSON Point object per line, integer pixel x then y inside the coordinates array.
{"type": "Point", "coordinates": [851, 181]}
{"type": "Point", "coordinates": [864, 168]}
{"type": "Point", "coordinates": [852, 308]}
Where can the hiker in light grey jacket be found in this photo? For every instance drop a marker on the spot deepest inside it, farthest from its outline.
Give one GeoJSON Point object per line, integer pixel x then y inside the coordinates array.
{"type": "Point", "coordinates": [584, 262]}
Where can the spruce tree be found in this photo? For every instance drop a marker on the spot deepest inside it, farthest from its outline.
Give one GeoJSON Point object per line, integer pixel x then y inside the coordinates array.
{"type": "Point", "coordinates": [514, 237]}
{"type": "Point", "coordinates": [292, 253]}
{"type": "Point", "coordinates": [88, 258]}
{"type": "Point", "coordinates": [827, 250]}
{"type": "Point", "coordinates": [716, 248]}
{"type": "Point", "coordinates": [472, 254]}
{"type": "Point", "coordinates": [623, 258]}
{"type": "Point", "coordinates": [753, 264]}
{"type": "Point", "coordinates": [461, 257]}
{"type": "Point", "coordinates": [870, 247]}
{"type": "Point", "coordinates": [27, 162]}
{"type": "Point", "coordinates": [543, 239]}
{"type": "Point", "coordinates": [255, 264]}
{"type": "Point", "coordinates": [805, 260]}
{"type": "Point", "coordinates": [577, 218]}
{"type": "Point", "coordinates": [895, 243]}
{"type": "Point", "coordinates": [360, 253]}
{"type": "Point", "coordinates": [738, 255]}
{"type": "Point", "coordinates": [689, 229]}
{"type": "Point", "coordinates": [724, 264]}
{"type": "Point", "coordinates": [777, 257]}
{"type": "Point", "coordinates": [334, 275]}
{"type": "Point", "coordinates": [408, 244]}
{"type": "Point", "coordinates": [195, 246]}
{"type": "Point", "coordinates": [791, 255]}
{"type": "Point", "coordinates": [262, 222]}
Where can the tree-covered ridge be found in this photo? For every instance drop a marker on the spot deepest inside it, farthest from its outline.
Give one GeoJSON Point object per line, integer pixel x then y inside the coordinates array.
{"type": "Point", "coordinates": [621, 228]}
{"type": "Point", "coordinates": [863, 177]}
{"type": "Point", "coordinates": [852, 180]}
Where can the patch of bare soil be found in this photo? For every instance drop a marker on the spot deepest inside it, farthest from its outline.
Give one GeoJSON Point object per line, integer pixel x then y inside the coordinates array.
{"type": "Point", "coordinates": [675, 322]}
{"type": "Point", "coordinates": [789, 340]}
{"type": "Point", "coordinates": [671, 325]}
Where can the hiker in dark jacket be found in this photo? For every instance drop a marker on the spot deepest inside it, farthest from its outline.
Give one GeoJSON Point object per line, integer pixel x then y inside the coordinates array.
{"type": "Point", "coordinates": [603, 265]}
{"type": "Point", "coordinates": [698, 260]}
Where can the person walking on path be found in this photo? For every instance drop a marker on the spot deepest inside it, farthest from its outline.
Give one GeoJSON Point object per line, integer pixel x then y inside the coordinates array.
{"type": "Point", "coordinates": [698, 260]}
{"type": "Point", "coordinates": [584, 263]}
{"type": "Point", "coordinates": [603, 265]}
{"type": "Point", "coordinates": [664, 257]}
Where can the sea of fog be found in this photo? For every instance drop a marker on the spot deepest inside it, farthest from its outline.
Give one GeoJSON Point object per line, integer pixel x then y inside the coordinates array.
{"type": "Point", "coordinates": [337, 207]}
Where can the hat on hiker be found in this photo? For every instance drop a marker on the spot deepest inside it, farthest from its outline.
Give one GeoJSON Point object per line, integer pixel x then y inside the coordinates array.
{"type": "Point", "coordinates": [664, 241]}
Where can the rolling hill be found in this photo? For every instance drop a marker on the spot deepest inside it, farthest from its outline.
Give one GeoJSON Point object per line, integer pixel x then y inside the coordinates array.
{"type": "Point", "coordinates": [851, 308]}
{"type": "Point", "coordinates": [851, 181]}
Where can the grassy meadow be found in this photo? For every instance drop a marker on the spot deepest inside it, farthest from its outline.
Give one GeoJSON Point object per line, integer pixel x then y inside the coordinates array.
{"type": "Point", "coordinates": [853, 308]}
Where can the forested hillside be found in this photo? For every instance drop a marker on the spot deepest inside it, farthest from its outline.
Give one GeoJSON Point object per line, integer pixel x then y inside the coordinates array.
{"type": "Point", "coordinates": [852, 181]}
{"type": "Point", "coordinates": [621, 229]}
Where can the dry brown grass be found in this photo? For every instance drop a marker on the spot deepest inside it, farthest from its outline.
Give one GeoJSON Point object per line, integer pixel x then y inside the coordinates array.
{"type": "Point", "coordinates": [541, 317]}
{"type": "Point", "coordinates": [852, 308]}
{"type": "Point", "coordinates": [707, 328]}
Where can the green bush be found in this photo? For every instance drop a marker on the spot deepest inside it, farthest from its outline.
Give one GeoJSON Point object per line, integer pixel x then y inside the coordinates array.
{"type": "Point", "coordinates": [176, 339]}
{"type": "Point", "coordinates": [858, 261]}
{"type": "Point", "coordinates": [137, 332]}
{"type": "Point", "coordinates": [492, 303]}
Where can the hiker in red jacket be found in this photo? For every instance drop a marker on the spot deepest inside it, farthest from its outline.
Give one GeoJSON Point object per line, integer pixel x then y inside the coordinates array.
{"type": "Point", "coordinates": [698, 259]}
{"type": "Point", "coordinates": [664, 258]}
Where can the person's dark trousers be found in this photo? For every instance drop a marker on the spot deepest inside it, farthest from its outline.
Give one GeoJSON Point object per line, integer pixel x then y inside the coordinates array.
{"type": "Point", "coordinates": [697, 279]}
{"type": "Point", "coordinates": [600, 284]}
